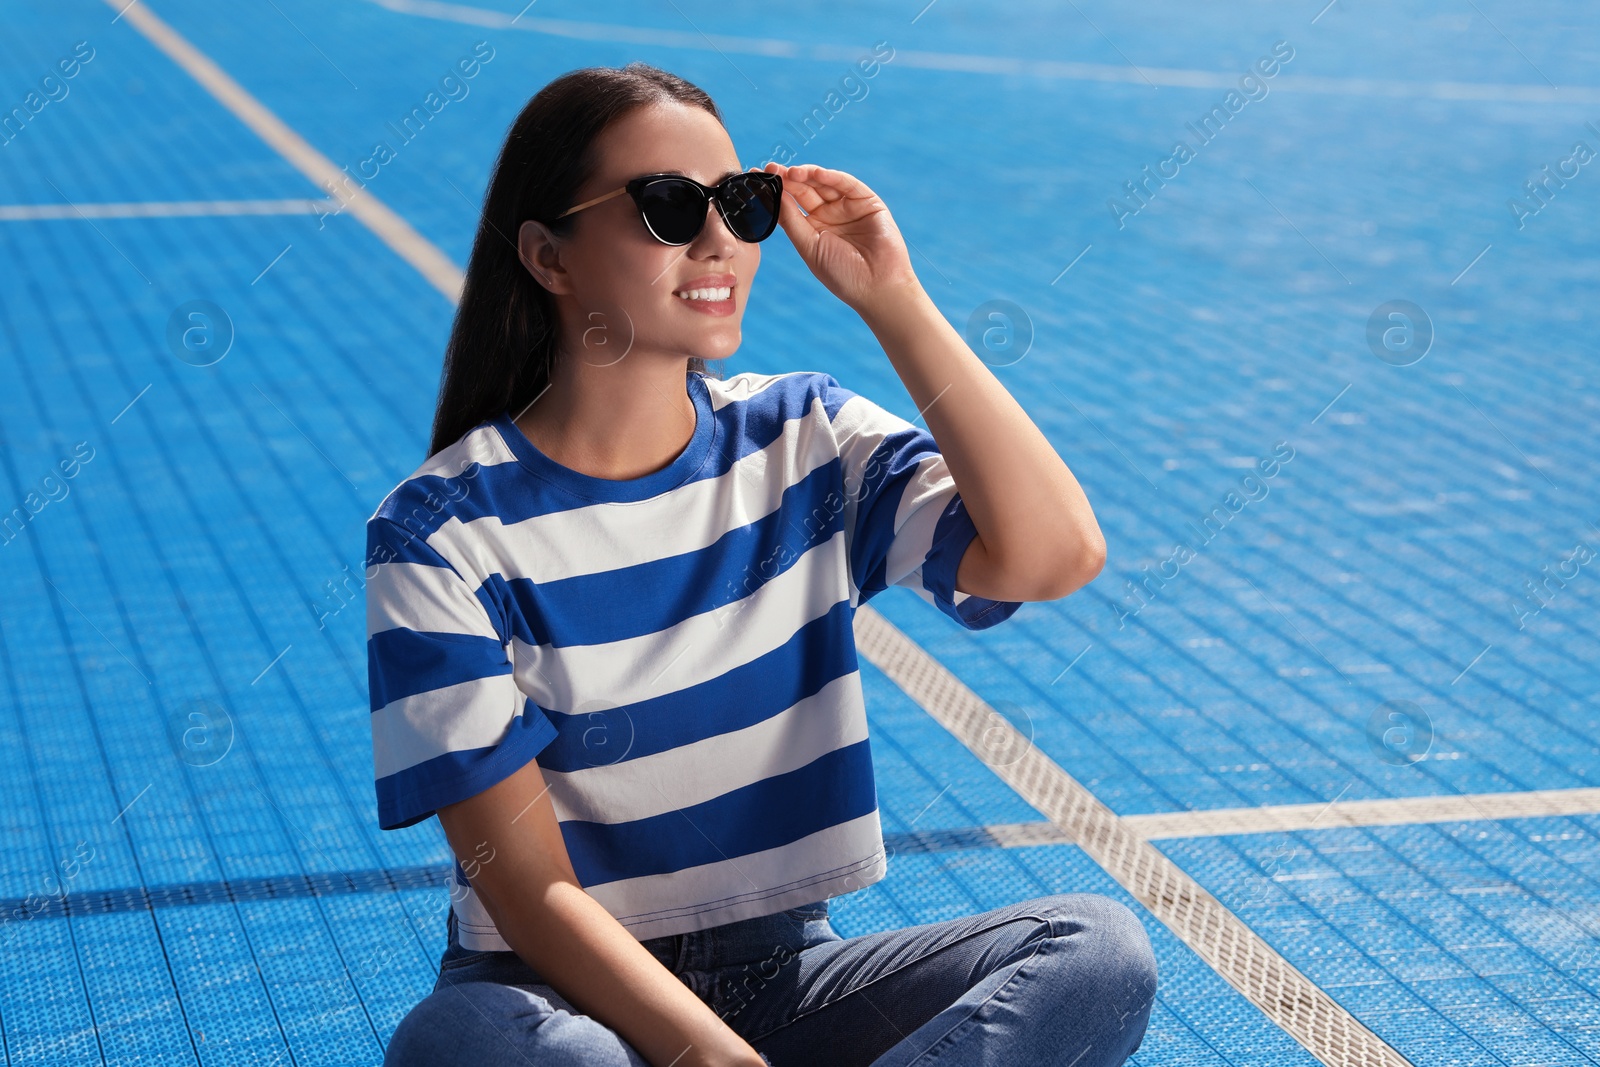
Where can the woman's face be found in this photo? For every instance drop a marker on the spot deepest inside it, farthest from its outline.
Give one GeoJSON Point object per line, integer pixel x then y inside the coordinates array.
{"type": "Point", "coordinates": [616, 286]}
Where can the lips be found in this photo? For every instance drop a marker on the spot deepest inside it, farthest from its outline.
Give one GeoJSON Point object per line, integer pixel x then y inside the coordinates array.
{"type": "Point", "coordinates": [710, 294]}
{"type": "Point", "coordinates": [708, 281]}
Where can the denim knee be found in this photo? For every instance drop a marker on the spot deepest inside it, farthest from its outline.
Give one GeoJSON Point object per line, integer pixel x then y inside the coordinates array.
{"type": "Point", "coordinates": [1123, 961]}
{"type": "Point", "coordinates": [439, 1028]}
{"type": "Point", "coordinates": [486, 1024]}
{"type": "Point", "coordinates": [1112, 965]}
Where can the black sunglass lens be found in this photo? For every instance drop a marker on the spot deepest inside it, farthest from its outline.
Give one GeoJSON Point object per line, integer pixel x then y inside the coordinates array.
{"type": "Point", "coordinates": [752, 205]}
{"type": "Point", "coordinates": [674, 210]}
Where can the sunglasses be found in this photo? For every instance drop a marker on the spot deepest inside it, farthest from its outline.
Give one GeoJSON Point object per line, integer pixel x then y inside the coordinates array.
{"type": "Point", "coordinates": [674, 206]}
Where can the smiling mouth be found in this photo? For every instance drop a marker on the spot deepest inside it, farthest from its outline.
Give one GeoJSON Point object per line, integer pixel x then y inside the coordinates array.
{"type": "Point", "coordinates": [714, 294]}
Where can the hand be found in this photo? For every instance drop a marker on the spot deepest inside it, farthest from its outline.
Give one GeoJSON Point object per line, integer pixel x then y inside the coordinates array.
{"type": "Point", "coordinates": [847, 237]}
{"type": "Point", "coordinates": [747, 1057]}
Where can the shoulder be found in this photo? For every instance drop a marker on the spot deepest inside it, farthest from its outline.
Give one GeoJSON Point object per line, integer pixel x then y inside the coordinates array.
{"type": "Point", "coordinates": [761, 405]}
{"type": "Point", "coordinates": [423, 500]}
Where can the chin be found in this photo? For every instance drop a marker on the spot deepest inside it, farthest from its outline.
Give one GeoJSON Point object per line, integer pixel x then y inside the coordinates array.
{"type": "Point", "coordinates": [721, 346]}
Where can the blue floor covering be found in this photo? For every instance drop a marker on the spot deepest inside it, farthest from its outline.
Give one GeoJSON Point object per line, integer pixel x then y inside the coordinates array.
{"type": "Point", "coordinates": [250, 911]}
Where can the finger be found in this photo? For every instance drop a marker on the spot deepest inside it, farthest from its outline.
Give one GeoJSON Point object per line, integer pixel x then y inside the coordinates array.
{"type": "Point", "coordinates": [802, 232]}
{"type": "Point", "coordinates": [836, 206]}
{"type": "Point", "coordinates": [817, 190]}
{"type": "Point", "coordinates": [796, 185]}
{"type": "Point", "coordinates": [834, 185]}
{"type": "Point", "coordinates": [804, 195]}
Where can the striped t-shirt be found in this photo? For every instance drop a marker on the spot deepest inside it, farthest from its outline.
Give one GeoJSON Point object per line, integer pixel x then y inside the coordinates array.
{"type": "Point", "coordinates": [676, 649]}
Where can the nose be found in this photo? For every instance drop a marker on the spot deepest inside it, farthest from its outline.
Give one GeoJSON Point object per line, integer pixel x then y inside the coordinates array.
{"type": "Point", "coordinates": [715, 237]}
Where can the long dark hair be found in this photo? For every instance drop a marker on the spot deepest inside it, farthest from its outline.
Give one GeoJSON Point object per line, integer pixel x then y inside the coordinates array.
{"type": "Point", "coordinates": [503, 340]}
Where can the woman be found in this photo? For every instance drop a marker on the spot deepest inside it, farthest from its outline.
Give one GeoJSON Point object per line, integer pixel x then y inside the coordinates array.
{"type": "Point", "coordinates": [610, 638]}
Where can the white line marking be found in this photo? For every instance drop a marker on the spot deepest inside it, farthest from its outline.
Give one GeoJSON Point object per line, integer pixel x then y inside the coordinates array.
{"type": "Point", "coordinates": [1285, 818]}
{"type": "Point", "coordinates": [978, 64]}
{"type": "Point", "coordinates": [1329, 805]}
{"type": "Point", "coordinates": [1392, 812]}
{"type": "Point", "coordinates": [1352, 813]}
{"type": "Point", "coordinates": [165, 209]}
{"type": "Point", "coordinates": [1234, 951]}
{"type": "Point", "coordinates": [389, 227]}
{"type": "Point", "coordinates": [719, 51]}
{"type": "Point", "coordinates": [77, 211]}
{"type": "Point", "coordinates": [1114, 48]}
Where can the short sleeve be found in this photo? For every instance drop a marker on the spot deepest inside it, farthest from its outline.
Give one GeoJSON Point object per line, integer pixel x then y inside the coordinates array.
{"type": "Point", "coordinates": [448, 719]}
{"type": "Point", "coordinates": [905, 522]}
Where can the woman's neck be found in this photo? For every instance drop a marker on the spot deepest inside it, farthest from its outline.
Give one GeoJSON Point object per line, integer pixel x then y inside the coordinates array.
{"type": "Point", "coordinates": [618, 422]}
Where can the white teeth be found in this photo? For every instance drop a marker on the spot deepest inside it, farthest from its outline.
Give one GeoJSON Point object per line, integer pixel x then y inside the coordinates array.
{"type": "Point", "coordinates": [706, 294]}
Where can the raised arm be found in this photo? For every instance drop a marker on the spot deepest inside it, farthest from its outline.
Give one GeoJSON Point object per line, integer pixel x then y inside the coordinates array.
{"type": "Point", "coordinates": [586, 955]}
{"type": "Point", "coordinates": [1037, 538]}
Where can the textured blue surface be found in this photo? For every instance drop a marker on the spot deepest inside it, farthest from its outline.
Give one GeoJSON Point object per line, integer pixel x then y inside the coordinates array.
{"type": "Point", "coordinates": [195, 551]}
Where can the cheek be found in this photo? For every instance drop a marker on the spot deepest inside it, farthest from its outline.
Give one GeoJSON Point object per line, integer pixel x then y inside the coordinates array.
{"type": "Point", "coordinates": [746, 263]}
{"type": "Point", "coordinates": [626, 266]}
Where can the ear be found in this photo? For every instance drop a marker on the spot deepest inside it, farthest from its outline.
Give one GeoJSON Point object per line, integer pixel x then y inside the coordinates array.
{"type": "Point", "coordinates": [540, 252]}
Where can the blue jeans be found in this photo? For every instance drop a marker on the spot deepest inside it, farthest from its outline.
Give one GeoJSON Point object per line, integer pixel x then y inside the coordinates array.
{"type": "Point", "coordinates": [1066, 979]}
